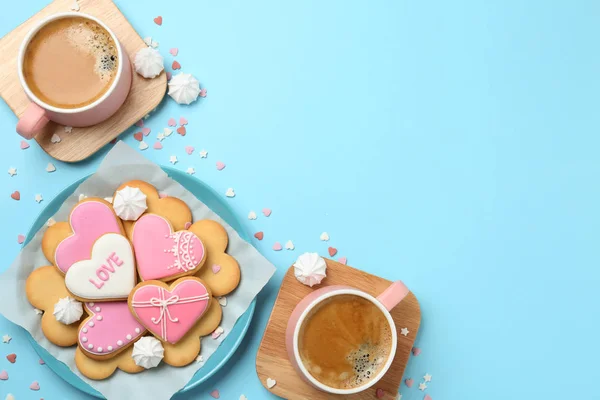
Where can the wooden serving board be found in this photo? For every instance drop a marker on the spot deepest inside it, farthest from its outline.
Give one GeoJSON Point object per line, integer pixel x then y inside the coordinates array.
{"type": "Point", "coordinates": [81, 143]}
{"type": "Point", "coordinates": [272, 361]}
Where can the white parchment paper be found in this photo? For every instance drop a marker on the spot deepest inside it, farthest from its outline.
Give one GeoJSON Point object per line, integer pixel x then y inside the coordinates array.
{"type": "Point", "coordinates": [121, 164]}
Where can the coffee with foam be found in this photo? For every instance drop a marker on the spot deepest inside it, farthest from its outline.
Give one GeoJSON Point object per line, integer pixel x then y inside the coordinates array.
{"type": "Point", "coordinates": [70, 62]}
{"type": "Point", "coordinates": [345, 341]}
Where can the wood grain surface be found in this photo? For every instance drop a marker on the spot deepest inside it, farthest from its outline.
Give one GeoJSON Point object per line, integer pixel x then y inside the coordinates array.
{"type": "Point", "coordinates": [272, 361]}
{"type": "Point", "coordinates": [81, 143]}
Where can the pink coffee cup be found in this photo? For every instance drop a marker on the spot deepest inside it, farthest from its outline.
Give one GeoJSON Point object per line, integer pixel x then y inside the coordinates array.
{"type": "Point", "coordinates": [387, 300]}
{"type": "Point", "coordinates": [38, 114]}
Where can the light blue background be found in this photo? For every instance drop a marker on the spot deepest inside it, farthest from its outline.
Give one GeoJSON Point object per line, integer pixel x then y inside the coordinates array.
{"type": "Point", "coordinates": [453, 145]}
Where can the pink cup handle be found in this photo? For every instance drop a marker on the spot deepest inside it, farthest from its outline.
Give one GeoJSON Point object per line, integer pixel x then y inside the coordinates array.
{"type": "Point", "coordinates": [393, 295]}
{"type": "Point", "coordinates": [34, 118]}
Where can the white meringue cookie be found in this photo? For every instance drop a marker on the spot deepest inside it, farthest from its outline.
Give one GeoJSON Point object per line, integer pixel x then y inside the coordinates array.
{"type": "Point", "coordinates": [310, 269]}
{"type": "Point", "coordinates": [184, 88]}
{"type": "Point", "coordinates": [68, 310]}
{"type": "Point", "coordinates": [129, 203]}
{"type": "Point", "coordinates": [148, 352]}
{"type": "Point", "coordinates": [148, 62]}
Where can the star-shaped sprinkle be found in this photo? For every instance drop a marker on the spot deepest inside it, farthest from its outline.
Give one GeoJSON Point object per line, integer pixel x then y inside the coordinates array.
{"type": "Point", "coordinates": [68, 129]}
{"type": "Point", "coordinates": [422, 386]}
{"type": "Point", "coordinates": [199, 359]}
{"type": "Point", "coordinates": [173, 160]}
{"type": "Point", "coordinates": [50, 221]}
{"type": "Point", "coordinates": [38, 311]}
{"type": "Point", "coordinates": [190, 171]}
{"type": "Point", "coordinates": [12, 171]}
{"type": "Point", "coordinates": [203, 153]}
{"type": "Point", "coordinates": [404, 331]}
{"type": "Point", "coordinates": [6, 339]}
{"type": "Point", "coordinates": [427, 378]}
{"type": "Point", "coordinates": [38, 198]}
{"type": "Point", "coordinates": [160, 136]}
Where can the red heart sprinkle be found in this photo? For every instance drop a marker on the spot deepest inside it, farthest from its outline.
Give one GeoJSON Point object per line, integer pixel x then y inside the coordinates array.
{"type": "Point", "coordinates": [379, 393]}
{"type": "Point", "coordinates": [332, 251]}
{"type": "Point", "coordinates": [427, 397]}
{"type": "Point", "coordinates": [158, 20]}
{"type": "Point", "coordinates": [259, 235]}
{"type": "Point", "coordinates": [140, 123]}
{"type": "Point", "coordinates": [181, 130]}
{"type": "Point", "coordinates": [138, 136]}
{"type": "Point", "coordinates": [12, 358]}
{"type": "Point", "coordinates": [176, 65]}
{"type": "Point", "coordinates": [409, 382]}
{"type": "Point", "coordinates": [16, 195]}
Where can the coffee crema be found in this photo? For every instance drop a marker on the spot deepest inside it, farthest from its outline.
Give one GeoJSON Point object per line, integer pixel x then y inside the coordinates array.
{"type": "Point", "coordinates": [345, 341]}
{"type": "Point", "coordinates": [70, 62]}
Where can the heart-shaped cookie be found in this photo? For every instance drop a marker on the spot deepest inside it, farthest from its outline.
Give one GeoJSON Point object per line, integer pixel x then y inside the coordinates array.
{"type": "Point", "coordinates": [163, 254]}
{"type": "Point", "coordinates": [109, 329]}
{"type": "Point", "coordinates": [109, 274]}
{"type": "Point", "coordinates": [169, 312]}
{"type": "Point", "coordinates": [90, 219]}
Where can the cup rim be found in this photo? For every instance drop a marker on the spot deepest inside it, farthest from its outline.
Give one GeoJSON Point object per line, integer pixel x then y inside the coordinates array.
{"type": "Point", "coordinates": [25, 44]}
{"type": "Point", "coordinates": [383, 370]}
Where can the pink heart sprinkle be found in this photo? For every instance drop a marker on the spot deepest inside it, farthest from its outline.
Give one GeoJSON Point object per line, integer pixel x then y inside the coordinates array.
{"type": "Point", "coordinates": [427, 397]}
{"type": "Point", "coordinates": [187, 225]}
{"type": "Point", "coordinates": [162, 195]}
{"type": "Point", "coordinates": [220, 165]}
{"type": "Point", "coordinates": [215, 394]}
{"type": "Point", "coordinates": [42, 362]}
{"type": "Point", "coordinates": [216, 268]}
{"type": "Point", "coordinates": [169, 75]}
{"type": "Point", "coordinates": [277, 246]}
{"type": "Point", "coordinates": [216, 334]}
{"type": "Point", "coordinates": [20, 239]}
{"type": "Point", "coordinates": [416, 351]}
{"type": "Point", "coordinates": [174, 51]}
{"type": "Point", "coordinates": [189, 150]}
{"type": "Point", "coordinates": [146, 131]}
{"type": "Point", "coordinates": [140, 123]}
{"type": "Point", "coordinates": [183, 121]}
{"type": "Point", "coordinates": [342, 260]}
{"type": "Point", "coordinates": [158, 145]}
{"type": "Point", "coordinates": [409, 382]}
{"type": "Point", "coordinates": [24, 145]}
{"type": "Point", "coordinates": [202, 92]}
{"type": "Point", "coordinates": [379, 393]}
{"type": "Point", "coordinates": [3, 376]}
{"type": "Point", "coordinates": [34, 386]}
{"type": "Point", "coordinates": [172, 122]}
{"type": "Point", "coordinates": [267, 211]}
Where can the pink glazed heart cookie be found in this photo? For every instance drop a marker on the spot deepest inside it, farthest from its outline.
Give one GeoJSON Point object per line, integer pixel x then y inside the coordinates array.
{"type": "Point", "coordinates": [163, 254]}
{"type": "Point", "coordinates": [110, 329]}
{"type": "Point", "coordinates": [169, 312]}
{"type": "Point", "coordinates": [89, 219]}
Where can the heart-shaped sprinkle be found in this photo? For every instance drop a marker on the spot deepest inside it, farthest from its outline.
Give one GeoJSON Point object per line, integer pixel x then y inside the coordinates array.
{"type": "Point", "coordinates": [175, 65]}
{"type": "Point", "coordinates": [187, 225]}
{"type": "Point", "coordinates": [34, 386]}
{"type": "Point", "coordinates": [158, 20]}
{"type": "Point", "coordinates": [42, 362]}
{"type": "Point", "coordinates": [332, 251]}
{"type": "Point", "coordinates": [174, 51]}
{"type": "Point", "coordinates": [220, 165]}
{"type": "Point", "coordinates": [140, 123]}
{"type": "Point", "coordinates": [24, 145]}
{"type": "Point", "coordinates": [202, 92]}
{"type": "Point", "coordinates": [183, 121]}
{"type": "Point", "coordinates": [10, 397]}
{"type": "Point", "coordinates": [172, 122]}
{"type": "Point", "coordinates": [3, 375]}
{"type": "Point", "coordinates": [75, 6]}
{"type": "Point", "coordinates": [55, 138]}
{"type": "Point", "coordinates": [217, 332]}
{"type": "Point", "coordinates": [181, 130]}
{"type": "Point", "coordinates": [146, 131]}
{"type": "Point", "coordinates": [271, 383]}
{"type": "Point", "coordinates": [324, 236]}
{"type": "Point", "coordinates": [162, 195]}
{"type": "Point", "coordinates": [20, 239]}
{"type": "Point", "coordinates": [216, 268]}
{"type": "Point", "coordinates": [138, 136]}
{"type": "Point", "coordinates": [379, 393]}
{"type": "Point", "coordinates": [189, 150]}
{"type": "Point", "coordinates": [158, 145]}
{"type": "Point", "coordinates": [416, 351]}
{"type": "Point", "coordinates": [252, 215]}
{"type": "Point", "coordinates": [15, 195]}
{"type": "Point", "coordinates": [167, 132]}
{"type": "Point", "coordinates": [143, 145]}
{"type": "Point", "coordinates": [11, 358]}
{"type": "Point", "coordinates": [215, 394]}
{"type": "Point", "coordinates": [259, 235]}
{"type": "Point", "coordinates": [267, 212]}
{"type": "Point", "coordinates": [427, 397]}
{"type": "Point", "coordinates": [68, 129]}
{"type": "Point", "coordinates": [289, 245]}
{"type": "Point", "coordinates": [230, 192]}
{"type": "Point", "coordinates": [169, 75]}
{"type": "Point", "coordinates": [343, 260]}
{"type": "Point", "coordinates": [222, 301]}
{"type": "Point", "coordinates": [50, 167]}
{"type": "Point", "coordinates": [277, 246]}
{"type": "Point", "coordinates": [409, 382]}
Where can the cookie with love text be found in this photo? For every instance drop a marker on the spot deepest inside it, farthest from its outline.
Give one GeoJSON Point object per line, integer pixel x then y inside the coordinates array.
{"type": "Point", "coordinates": [165, 254]}
{"type": "Point", "coordinates": [44, 288]}
{"type": "Point", "coordinates": [221, 271]}
{"type": "Point", "coordinates": [108, 273]}
{"type": "Point", "coordinates": [170, 311]}
{"type": "Point", "coordinates": [170, 208]}
{"type": "Point", "coordinates": [64, 244]}
{"type": "Point", "coordinates": [109, 330]}
{"type": "Point", "coordinates": [102, 369]}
